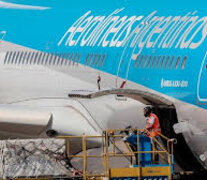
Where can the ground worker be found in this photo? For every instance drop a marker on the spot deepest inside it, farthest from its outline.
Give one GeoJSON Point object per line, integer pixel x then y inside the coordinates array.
{"type": "Point", "coordinates": [152, 129]}
{"type": "Point", "coordinates": [152, 122]}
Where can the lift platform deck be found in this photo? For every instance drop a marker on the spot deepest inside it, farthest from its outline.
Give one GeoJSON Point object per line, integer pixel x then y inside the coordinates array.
{"type": "Point", "coordinates": [152, 161]}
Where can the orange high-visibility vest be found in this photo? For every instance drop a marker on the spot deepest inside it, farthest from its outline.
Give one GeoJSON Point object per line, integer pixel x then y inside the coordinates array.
{"type": "Point", "coordinates": [155, 129]}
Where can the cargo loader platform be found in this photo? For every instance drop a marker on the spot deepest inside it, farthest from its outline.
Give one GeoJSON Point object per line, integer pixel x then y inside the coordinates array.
{"type": "Point", "coordinates": [148, 158]}
{"type": "Point", "coordinates": [144, 153]}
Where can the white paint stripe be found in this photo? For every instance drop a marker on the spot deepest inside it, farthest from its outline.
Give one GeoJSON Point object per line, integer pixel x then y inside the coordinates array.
{"type": "Point", "coordinates": [7, 5]}
{"type": "Point", "coordinates": [199, 79]}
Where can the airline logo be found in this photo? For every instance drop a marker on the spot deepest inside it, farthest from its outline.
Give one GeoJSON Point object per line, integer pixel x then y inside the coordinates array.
{"type": "Point", "coordinates": [151, 31]}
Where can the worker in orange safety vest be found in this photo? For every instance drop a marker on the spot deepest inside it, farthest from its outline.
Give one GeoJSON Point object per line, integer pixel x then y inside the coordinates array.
{"type": "Point", "coordinates": [152, 124]}
{"type": "Point", "coordinates": [153, 128]}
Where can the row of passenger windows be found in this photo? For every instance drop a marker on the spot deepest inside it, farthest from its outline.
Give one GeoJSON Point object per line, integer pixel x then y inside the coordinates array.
{"type": "Point", "coordinates": [55, 59]}
{"type": "Point", "coordinates": [90, 59]}
{"type": "Point", "coordinates": [171, 62]}
{"type": "Point", "coordinates": [95, 59]}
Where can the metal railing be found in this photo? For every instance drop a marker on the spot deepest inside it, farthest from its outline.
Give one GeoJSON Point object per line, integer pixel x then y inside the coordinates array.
{"type": "Point", "coordinates": [110, 137]}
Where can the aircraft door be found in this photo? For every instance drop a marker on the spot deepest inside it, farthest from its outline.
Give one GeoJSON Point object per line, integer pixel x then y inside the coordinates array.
{"type": "Point", "coordinates": [202, 81]}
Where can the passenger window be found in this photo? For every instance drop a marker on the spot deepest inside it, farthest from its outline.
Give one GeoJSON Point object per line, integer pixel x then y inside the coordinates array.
{"type": "Point", "coordinates": [103, 59]}
{"type": "Point", "coordinates": [5, 59]}
{"type": "Point", "coordinates": [24, 57]}
{"type": "Point", "coordinates": [94, 61]}
{"type": "Point", "coordinates": [27, 57]}
{"type": "Point", "coordinates": [55, 59]}
{"type": "Point", "coordinates": [172, 61]}
{"type": "Point", "coordinates": [35, 58]}
{"type": "Point", "coordinates": [177, 62]}
{"type": "Point", "coordinates": [31, 57]}
{"type": "Point", "coordinates": [184, 62]}
{"type": "Point", "coordinates": [58, 56]}
{"type": "Point", "coordinates": [76, 54]}
{"type": "Point", "coordinates": [86, 59]}
{"type": "Point", "coordinates": [39, 58]}
{"type": "Point", "coordinates": [59, 59]}
{"type": "Point", "coordinates": [67, 59]}
{"type": "Point", "coordinates": [46, 58]}
{"type": "Point", "coordinates": [135, 64]}
{"type": "Point", "coordinates": [13, 57]}
{"type": "Point", "coordinates": [43, 58]}
{"type": "Point", "coordinates": [153, 63]}
{"type": "Point", "coordinates": [166, 63]}
{"type": "Point", "coordinates": [9, 57]}
{"type": "Point", "coordinates": [158, 62]}
{"type": "Point", "coordinates": [78, 61]}
{"type": "Point", "coordinates": [89, 63]}
{"type": "Point", "coordinates": [11, 53]}
{"type": "Point", "coordinates": [62, 59]}
{"type": "Point", "coordinates": [140, 62]}
{"type": "Point", "coordinates": [145, 61]}
{"type": "Point", "coordinates": [148, 65]}
{"type": "Point", "coordinates": [50, 59]}
{"type": "Point", "coordinates": [17, 59]}
{"type": "Point", "coordinates": [99, 58]}
{"type": "Point", "coordinates": [163, 59]}
{"type": "Point", "coordinates": [71, 58]}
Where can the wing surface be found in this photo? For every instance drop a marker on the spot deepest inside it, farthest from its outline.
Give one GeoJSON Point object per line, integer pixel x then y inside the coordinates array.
{"type": "Point", "coordinates": [23, 120]}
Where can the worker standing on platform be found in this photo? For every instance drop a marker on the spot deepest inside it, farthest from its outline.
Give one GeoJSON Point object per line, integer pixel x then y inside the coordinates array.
{"type": "Point", "coordinates": [152, 128]}
{"type": "Point", "coordinates": [152, 122]}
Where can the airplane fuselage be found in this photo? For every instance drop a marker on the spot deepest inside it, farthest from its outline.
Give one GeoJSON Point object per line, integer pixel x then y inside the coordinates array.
{"type": "Point", "coordinates": [156, 47]}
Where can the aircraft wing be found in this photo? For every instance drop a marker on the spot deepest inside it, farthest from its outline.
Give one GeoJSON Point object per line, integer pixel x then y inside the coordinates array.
{"type": "Point", "coordinates": [23, 121]}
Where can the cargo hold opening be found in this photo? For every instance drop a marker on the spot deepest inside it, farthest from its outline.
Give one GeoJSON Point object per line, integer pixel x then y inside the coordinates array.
{"type": "Point", "coordinates": [167, 114]}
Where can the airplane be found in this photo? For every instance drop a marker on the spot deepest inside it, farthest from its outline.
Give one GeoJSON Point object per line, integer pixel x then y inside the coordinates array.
{"type": "Point", "coordinates": [74, 67]}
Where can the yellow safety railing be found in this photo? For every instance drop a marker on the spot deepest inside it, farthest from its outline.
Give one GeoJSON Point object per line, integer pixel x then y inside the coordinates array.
{"type": "Point", "coordinates": [110, 137]}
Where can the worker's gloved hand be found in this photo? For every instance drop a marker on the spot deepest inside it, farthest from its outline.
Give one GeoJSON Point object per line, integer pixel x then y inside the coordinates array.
{"type": "Point", "coordinates": [127, 137]}
{"type": "Point", "coordinates": [144, 132]}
